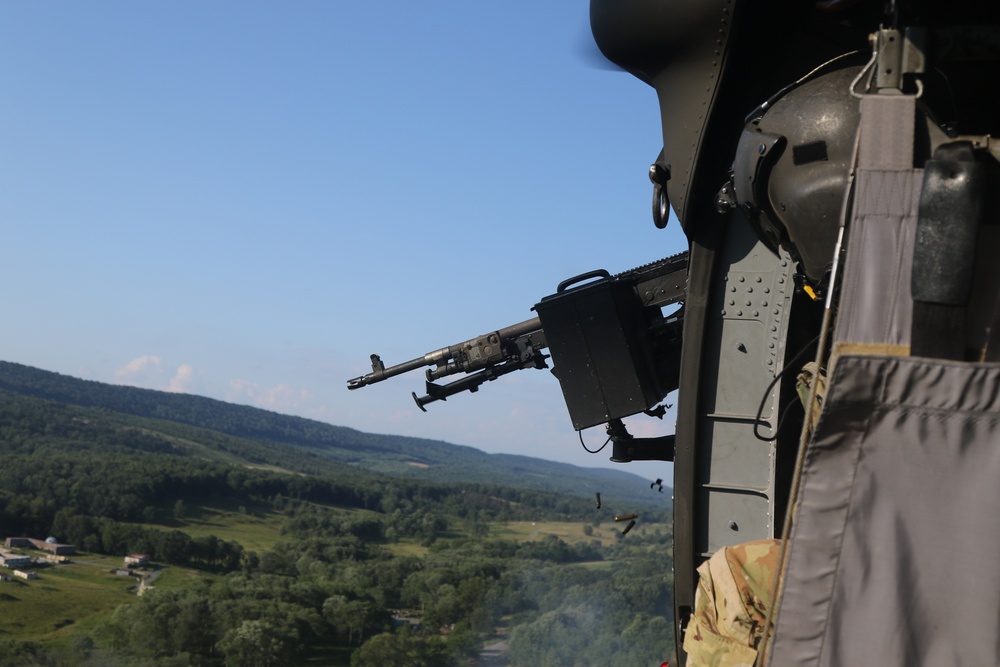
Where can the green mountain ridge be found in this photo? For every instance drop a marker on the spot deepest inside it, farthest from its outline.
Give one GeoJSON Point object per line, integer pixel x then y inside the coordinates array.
{"type": "Point", "coordinates": [193, 424]}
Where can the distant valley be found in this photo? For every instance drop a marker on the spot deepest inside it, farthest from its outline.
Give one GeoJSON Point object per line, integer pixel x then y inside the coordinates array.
{"type": "Point", "coordinates": [264, 437]}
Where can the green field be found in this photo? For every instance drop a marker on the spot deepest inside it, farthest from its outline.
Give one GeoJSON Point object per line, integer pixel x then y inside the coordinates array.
{"type": "Point", "coordinates": [256, 531]}
{"type": "Point", "coordinates": [254, 528]}
{"type": "Point", "coordinates": [64, 600]}
{"type": "Point", "coordinates": [71, 598]}
{"type": "Point", "coordinates": [570, 532]}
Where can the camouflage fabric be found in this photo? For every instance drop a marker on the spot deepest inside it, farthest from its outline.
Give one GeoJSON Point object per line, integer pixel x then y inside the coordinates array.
{"type": "Point", "coordinates": [811, 373]}
{"type": "Point", "coordinates": [731, 605]}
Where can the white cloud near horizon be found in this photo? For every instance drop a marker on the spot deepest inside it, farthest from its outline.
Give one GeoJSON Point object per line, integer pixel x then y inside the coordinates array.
{"type": "Point", "coordinates": [149, 372]}
{"type": "Point", "coordinates": [183, 380]}
{"type": "Point", "coordinates": [139, 369]}
{"type": "Point", "coordinates": [279, 398]}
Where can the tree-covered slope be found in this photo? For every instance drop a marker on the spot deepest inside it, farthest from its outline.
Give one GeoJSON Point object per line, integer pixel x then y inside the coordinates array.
{"type": "Point", "coordinates": [205, 427]}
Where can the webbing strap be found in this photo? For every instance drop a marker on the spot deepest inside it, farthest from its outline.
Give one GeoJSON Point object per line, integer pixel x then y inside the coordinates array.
{"type": "Point", "coordinates": [876, 307]}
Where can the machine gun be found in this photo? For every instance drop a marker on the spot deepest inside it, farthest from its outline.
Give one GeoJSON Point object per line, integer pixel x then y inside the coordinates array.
{"type": "Point", "coordinates": [614, 352]}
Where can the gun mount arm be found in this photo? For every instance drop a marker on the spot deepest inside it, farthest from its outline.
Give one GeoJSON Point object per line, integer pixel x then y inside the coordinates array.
{"type": "Point", "coordinates": [626, 448]}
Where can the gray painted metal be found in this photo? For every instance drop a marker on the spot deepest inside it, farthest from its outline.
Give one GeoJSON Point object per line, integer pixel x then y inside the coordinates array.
{"type": "Point", "coordinates": [745, 339]}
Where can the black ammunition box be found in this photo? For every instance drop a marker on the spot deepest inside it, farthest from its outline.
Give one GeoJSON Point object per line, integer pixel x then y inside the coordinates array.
{"type": "Point", "coordinates": [600, 342]}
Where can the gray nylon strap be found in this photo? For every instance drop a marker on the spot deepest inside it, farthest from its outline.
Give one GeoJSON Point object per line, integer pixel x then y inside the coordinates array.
{"type": "Point", "coordinates": [887, 123]}
{"type": "Point", "coordinates": [876, 308]}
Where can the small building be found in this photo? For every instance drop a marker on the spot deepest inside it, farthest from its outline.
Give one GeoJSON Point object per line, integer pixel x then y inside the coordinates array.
{"type": "Point", "coordinates": [25, 574]}
{"type": "Point", "coordinates": [14, 560]}
{"type": "Point", "coordinates": [136, 560]}
{"type": "Point", "coordinates": [53, 546]}
{"type": "Point", "coordinates": [52, 558]}
{"type": "Point", "coordinates": [18, 543]}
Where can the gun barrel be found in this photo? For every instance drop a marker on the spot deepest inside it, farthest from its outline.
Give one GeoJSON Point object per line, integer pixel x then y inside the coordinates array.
{"type": "Point", "coordinates": [521, 328]}
{"type": "Point", "coordinates": [379, 374]}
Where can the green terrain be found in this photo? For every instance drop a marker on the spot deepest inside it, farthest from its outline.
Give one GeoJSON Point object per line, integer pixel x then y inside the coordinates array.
{"type": "Point", "coordinates": [276, 540]}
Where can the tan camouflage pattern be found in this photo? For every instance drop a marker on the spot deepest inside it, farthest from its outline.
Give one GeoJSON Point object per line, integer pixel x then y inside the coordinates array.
{"type": "Point", "coordinates": [731, 605]}
{"type": "Point", "coordinates": [811, 374]}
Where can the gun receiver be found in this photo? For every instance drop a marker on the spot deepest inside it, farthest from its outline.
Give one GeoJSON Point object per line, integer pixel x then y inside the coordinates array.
{"type": "Point", "coordinates": [615, 354]}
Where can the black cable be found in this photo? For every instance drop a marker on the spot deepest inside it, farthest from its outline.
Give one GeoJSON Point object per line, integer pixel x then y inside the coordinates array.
{"type": "Point", "coordinates": [763, 401]}
{"type": "Point", "coordinates": [594, 451]}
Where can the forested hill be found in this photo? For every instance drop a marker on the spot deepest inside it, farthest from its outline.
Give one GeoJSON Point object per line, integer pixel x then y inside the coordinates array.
{"type": "Point", "coordinates": [241, 434]}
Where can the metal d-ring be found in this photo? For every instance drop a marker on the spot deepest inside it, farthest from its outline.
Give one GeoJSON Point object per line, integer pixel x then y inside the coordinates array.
{"type": "Point", "coordinates": [659, 175]}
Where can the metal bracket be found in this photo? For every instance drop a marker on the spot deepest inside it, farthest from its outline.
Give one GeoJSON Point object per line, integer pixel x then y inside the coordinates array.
{"type": "Point", "coordinates": [899, 53]}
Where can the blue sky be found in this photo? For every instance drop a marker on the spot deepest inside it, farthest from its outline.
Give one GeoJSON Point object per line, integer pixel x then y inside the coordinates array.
{"type": "Point", "coordinates": [244, 200]}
